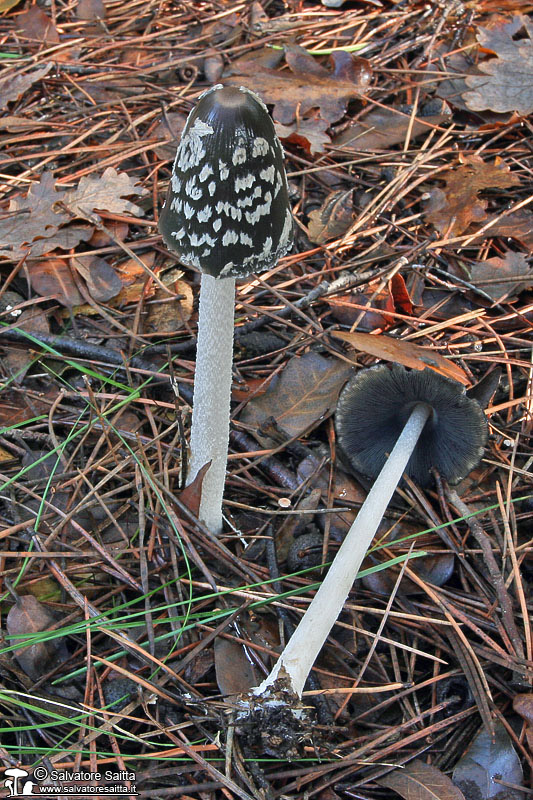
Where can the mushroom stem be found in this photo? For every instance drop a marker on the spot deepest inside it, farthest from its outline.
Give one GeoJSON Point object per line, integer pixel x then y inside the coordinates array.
{"type": "Point", "coordinates": [306, 642]}
{"type": "Point", "coordinates": [212, 394]}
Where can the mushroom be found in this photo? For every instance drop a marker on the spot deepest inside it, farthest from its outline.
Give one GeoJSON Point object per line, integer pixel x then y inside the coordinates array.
{"type": "Point", "coordinates": [391, 422]}
{"type": "Point", "coordinates": [227, 213]}
{"type": "Point", "coordinates": [13, 785]}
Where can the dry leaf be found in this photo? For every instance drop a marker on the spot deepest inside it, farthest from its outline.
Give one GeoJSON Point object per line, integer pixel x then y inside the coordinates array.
{"type": "Point", "coordinates": [234, 672]}
{"type": "Point", "coordinates": [90, 10]}
{"type": "Point", "coordinates": [486, 760]}
{"type": "Point", "coordinates": [307, 133]}
{"type": "Point", "coordinates": [169, 128]}
{"type": "Point", "coordinates": [308, 85]}
{"type": "Point", "coordinates": [454, 208]}
{"type": "Point", "coordinates": [29, 616]}
{"type": "Point", "coordinates": [167, 314]}
{"type": "Point", "coordinates": [502, 277]}
{"type": "Point", "coordinates": [13, 86]}
{"type": "Point", "coordinates": [419, 781]}
{"type": "Point", "coordinates": [37, 26]}
{"type": "Point", "coordinates": [302, 394]}
{"type": "Point", "coordinates": [135, 280]}
{"type": "Point", "coordinates": [334, 217]}
{"type": "Point", "coordinates": [102, 281]}
{"type": "Point", "coordinates": [507, 84]}
{"type": "Point", "coordinates": [400, 352]}
{"type": "Point", "coordinates": [517, 225]}
{"type": "Point", "coordinates": [384, 127]}
{"type": "Point", "coordinates": [105, 192]}
{"type": "Point", "coordinates": [192, 494]}
{"type": "Point", "coordinates": [53, 278]}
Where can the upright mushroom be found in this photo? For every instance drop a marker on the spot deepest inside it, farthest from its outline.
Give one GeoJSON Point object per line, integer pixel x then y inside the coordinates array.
{"type": "Point", "coordinates": [227, 213]}
{"type": "Point", "coordinates": [391, 422]}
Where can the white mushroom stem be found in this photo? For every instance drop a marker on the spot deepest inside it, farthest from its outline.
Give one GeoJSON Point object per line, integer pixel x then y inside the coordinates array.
{"type": "Point", "coordinates": [212, 394]}
{"type": "Point", "coordinates": [306, 642]}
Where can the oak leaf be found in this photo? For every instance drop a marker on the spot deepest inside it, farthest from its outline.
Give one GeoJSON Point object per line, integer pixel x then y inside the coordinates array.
{"type": "Point", "coordinates": [502, 278]}
{"type": "Point", "coordinates": [507, 82]}
{"type": "Point", "coordinates": [454, 208]}
{"type": "Point", "coordinates": [308, 85]}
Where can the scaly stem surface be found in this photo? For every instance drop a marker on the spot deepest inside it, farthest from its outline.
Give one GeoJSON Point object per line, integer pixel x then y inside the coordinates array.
{"type": "Point", "coordinates": [212, 394]}
{"type": "Point", "coordinates": [306, 642]}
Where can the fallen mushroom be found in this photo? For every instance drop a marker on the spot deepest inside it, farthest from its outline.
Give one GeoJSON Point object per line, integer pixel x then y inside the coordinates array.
{"type": "Point", "coordinates": [227, 213]}
{"type": "Point", "coordinates": [391, 422]}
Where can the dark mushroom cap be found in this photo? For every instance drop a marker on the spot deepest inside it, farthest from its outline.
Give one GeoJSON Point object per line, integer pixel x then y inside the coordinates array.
{"type": "Point", "coordinates": [375, 405]}
{"type": "Point", "coordinates": [227, 210]}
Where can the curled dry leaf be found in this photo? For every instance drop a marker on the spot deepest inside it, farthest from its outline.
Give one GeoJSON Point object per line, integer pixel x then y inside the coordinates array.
{"type": "Point", "coordinates": [384, 127]}
{"type": "Point", "coordinates": [507, 84]}
{"type": "Point", "coordinates": [334, 217]}
{"type": "Point", "coordinates": [53, 278]}
{"type": "Point", "coordinates": [502, 278]}
{"type": "Point", "coordinates": [13, 87]}
{"type": "Point", "coordinates": [421, 781]}
{"type": "Point", "coordinates": [307, 133]}
{"type": "Point", "coordinates": [308, 85]}
{"type": "Point", "coordinates": [37, 26]}
{"type": "Point", "coordinates": [400, 352]}
{"type": "Point", "coordinates": [29, 616]}
{"type": "Point", "coordinates": [302, 394]}
{"type": "Point", "coordinates": [452, 209]}
{"type": "Point", "coordinates": [102, 281]}
{"type": "Point", "coordinates": [485, 762]}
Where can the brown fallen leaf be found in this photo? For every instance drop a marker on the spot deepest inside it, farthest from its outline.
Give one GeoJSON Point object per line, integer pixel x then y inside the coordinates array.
{"type": "Point", "coordinates": [106, 192]}
{"type": "Point", "coordinates": [192, 494]}
{"type": "Point", "coordinates": [29, 616]}
{"type": "Point", "coordinates": [102, 281]}
{"type": "Point", "coordinates": [308, 85]}
{"type": "Point", "coordinates": [302, 394]}
{"type": "Point", "coordinates": [400, 352]}
{"type": "Point", "coordinates": [523, 705]}
{"type": "Point", "coordinates": [307, 133]}
{"type": "Point", "coordinates": [234, 672]}
{"type": "Point", "coordinates": [168, 128]}
{"type": "Point", "coordinates": [334, 217]}
{"type": "Point", "coordinates": [517, 225]}
{"type": "Point", "coordinates": [454, 208]}
{"type": "Point", "coordinates": [384, 127]}
{"type": "Point", "coordinates": [421, 782]}
{"type": "Point", "coordinates": [502, 278]}
{"type": "Point", "coordinates": [167, 314]}
{"type": "Point", "coordinates": [35, 25]}
{"type": "Point", "coordinates": [507, 84]}
{"type": "Point", "coordinates": [53, 278]}
{"type": "Point", "coordinates": [12, 87]}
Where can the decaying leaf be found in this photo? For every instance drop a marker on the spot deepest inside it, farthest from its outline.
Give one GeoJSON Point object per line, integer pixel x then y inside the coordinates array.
{"type": "Point", "coordinates": [502, 278]}
{"type": "Point", "coordinates": [517, 225]}
{"type": "Point", "coordinates": [421, 781]}
{"type": "Point", "coordinates": [308, 85]}
{"type": "Point", "coordinates": [455, 207]}
{"type": "Point", "coordinates": [400, 352]}
{"type": "Point", "coordinates": [507, 84]}
{"type": "Point", "coordinates": [13, 87]}
{"type": "Point", "coordinates": [102, 281]}
{"type": "Point", "coordinates": [523, 705]}
{"type": "Point", "coordinates": [36, 25]}
{"type": "Point", "coordinates": [167, 314]}
{"type": "Point", "coordinates": [106, 192]}
{"type": "Point", "coordinates": [40, 219]}
{"type": "Point", "coordinates": [384, 127]}
{"type": "Point", "coordinates": [234, 672]}
{"type": "Point", "coordinates": [29, 616]}
{"type": "Point", "coordinates": [169, 128]}
{"type": "Point", "coordinates": [307, 133]}
{"type": "Point", "coordinates": [303, 393]}
{"type": "Point", "coordinates": [334, 217]}
{"type": "Point", "coordinates": [487, 760]}
{"type": "Point", "coordinates": [53, 278]}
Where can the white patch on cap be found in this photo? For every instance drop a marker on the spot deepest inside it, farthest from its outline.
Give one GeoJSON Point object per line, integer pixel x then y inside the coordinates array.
{"type": "Point", "coordinates": [245, 182]}
{"type": "Point", "coordinates": [239, 155]}
{"type": "Point", "coordinates": [245, 201]}
{"type": "Point", "coordinates": [267, 247]}
{"type": "Point", "coordinates": [285, 237]}
{"type": "Point", "coordinates": [204, 214]}
{"type": "Point", "coordinates": [245, 239]}
{"type": "Point", "coordinates": [279, 184]}
{"type": "Point", "coordinates": [212, 186]}
{"type": "Point", "coordinates": [179, 234]}
{"type": "Point", "coordinates": [227, 269]}
{"type": "Point", "coordinates": [176, 183]}
{"type": "Point", "coordinates": [176, 205]}
{"type": "Point", "coordinates": [268, 174]}
{"type": "Point", "coordinates": [191, 149]}
{"type": "Point", "coordinates": [229, 210]}
{"type": "Point", "coordinates": [217, 224]}
{"type": "Point", "coordinates": [253, 216]}
{"type": "Point", "coordinates": [230, 237]}
{"type": "Point", "coordinates": [255, 97]}
{"type": "Point", "coordinates": [205, 172]}
{"type": "Point", "coordinates": [260, 147]}
{"type": "Point", "coordinates": [192, 190]}
{"type": "Point", "coordinates": [223, 169]}
{"type": "Point", "coordinates": [190, 258]}
{"type": "Point", "coordinates": [198, 241]}
{"type": "Point", "coordinates": [188, 210]}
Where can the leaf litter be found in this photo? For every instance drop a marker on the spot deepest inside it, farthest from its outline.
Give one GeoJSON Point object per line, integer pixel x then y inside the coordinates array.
{"type": "Point", "coordinates": [409, 164]}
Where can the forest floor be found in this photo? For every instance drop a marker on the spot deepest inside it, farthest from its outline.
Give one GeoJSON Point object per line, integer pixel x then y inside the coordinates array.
{"type": "Point", "coordinates": [128, 630]}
